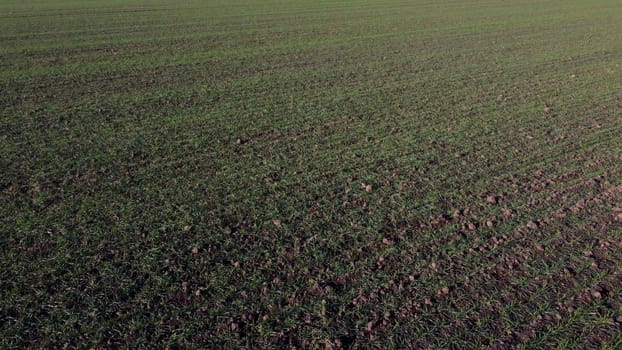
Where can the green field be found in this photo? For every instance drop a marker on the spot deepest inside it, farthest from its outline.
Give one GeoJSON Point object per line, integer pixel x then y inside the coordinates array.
{"type": "Point", "coordinates": [311, 174]}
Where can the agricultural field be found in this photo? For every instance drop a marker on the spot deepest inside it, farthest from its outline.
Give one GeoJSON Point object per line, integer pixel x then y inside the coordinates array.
{"type": "Point", "coordinates": [311, 174]}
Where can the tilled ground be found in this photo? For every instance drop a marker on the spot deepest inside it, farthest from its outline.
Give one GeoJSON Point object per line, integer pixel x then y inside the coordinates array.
{"type": "Point", "coordinates": [406, 174]}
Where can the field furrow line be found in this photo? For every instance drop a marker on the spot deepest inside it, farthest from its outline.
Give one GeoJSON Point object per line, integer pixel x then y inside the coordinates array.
{"type": "Point", "coordinates": [500, 275]}
{"type": "Point", "coordinates": [407, 255]}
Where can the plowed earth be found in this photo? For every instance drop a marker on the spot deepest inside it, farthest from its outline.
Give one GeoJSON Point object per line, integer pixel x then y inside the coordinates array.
{"type": "Point", "coordinates": [311, 174]}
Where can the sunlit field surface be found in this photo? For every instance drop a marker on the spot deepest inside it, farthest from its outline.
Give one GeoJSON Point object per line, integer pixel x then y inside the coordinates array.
{"type": "Point", "coordinates": [311, 174]}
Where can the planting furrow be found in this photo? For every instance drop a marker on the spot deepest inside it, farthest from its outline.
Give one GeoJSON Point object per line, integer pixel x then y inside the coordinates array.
{"type": "Point", "coordinates": [498, 277]}
{"type": "Point", "coordinates": [437, 222]}
{"type": "Point", "coordinates": [538, 292]}
{"type": "Point", "coordinates": [369, 73]}
{"type": "Point", "coordinates": [457, 40]}
{"type": "Point", "coordinates": [537, 184]}
{"type": "Point", "coordinates": [354, 276]}
{"type": "Point", "coordinates": [604, 291]}
{"type": "Point", "coordinates": [419, 307]}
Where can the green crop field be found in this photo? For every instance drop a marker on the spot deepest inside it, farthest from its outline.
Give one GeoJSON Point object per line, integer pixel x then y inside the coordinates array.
{"type": "Point", "coordinates": [310, 174]}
